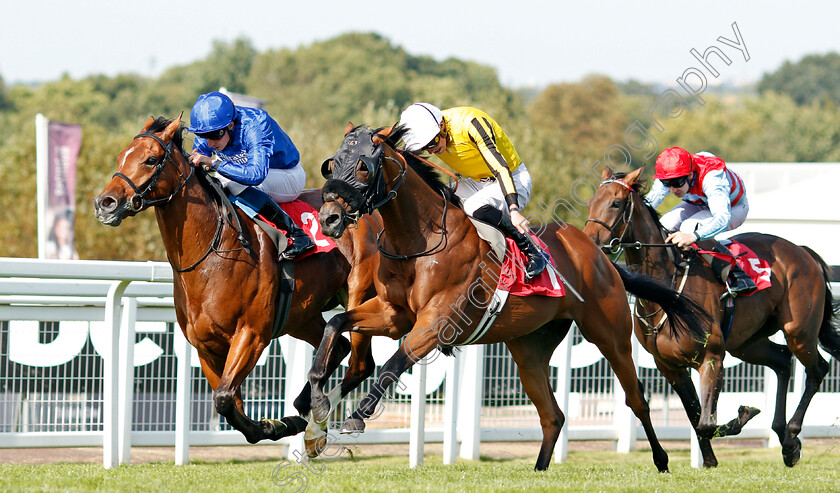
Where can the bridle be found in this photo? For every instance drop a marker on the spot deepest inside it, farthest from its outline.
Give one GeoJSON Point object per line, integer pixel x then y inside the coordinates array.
{"type": "Point", "coordinates": [376, 193]}
{"type": "Point", "coordinates": [138, 201]}
{"type": "Point", "coordinates": [625, 216]}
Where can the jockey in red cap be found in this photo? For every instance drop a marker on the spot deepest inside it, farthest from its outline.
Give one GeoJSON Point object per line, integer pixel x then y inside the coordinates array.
{"type": "Point", "coordinates": [714, 201]}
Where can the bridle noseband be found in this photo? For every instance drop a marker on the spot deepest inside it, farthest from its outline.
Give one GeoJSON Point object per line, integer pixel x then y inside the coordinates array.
{"type": "Point", "coordinates": [138, 201]}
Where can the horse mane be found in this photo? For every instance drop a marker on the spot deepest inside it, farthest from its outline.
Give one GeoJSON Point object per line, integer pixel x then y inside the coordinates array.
{"type": "Point", "coordinates": [428, 174]}
{"type": "Point", "coordinates": [161, 123]}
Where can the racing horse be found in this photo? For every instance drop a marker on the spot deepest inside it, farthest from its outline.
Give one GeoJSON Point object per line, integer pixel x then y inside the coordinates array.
{"type": "Point", "coordinates": [226, 294]}
{"type": "Point", "coordinates": [436, 276]}
{"type": "Point", "coordinates": [799, 303]}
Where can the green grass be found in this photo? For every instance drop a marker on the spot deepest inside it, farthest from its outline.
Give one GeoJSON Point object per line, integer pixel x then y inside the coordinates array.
{"type": "Point", "coordinates": [741, 470]}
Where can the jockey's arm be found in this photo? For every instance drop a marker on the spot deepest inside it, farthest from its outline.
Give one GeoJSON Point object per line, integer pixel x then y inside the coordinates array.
{"type": "Point", "coordinates": [716, 189]}
{"type": "Point", "coordinates": [257, 146]}
{"type": "Point", "coordinates": [482, 137]}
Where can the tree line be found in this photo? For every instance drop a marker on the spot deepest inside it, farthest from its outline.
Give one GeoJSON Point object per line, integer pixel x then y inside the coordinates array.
{"type": "Point", "coordinates": [561, 131]}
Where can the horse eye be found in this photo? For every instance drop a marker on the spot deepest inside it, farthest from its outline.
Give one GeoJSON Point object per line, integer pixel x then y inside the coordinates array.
{"type": "Point", "coordinates": [616, 204]}
{"type": "Point", "coordinates": [362, 167]}
{"type": "Point", "coordinates": [152, 161]}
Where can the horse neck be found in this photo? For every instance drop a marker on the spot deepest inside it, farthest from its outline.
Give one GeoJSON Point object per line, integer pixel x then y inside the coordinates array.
{"type": "Point", "coordinates": [653, 260]}
{"type": "Point", "coordinates": [187, 223]}
{"type": "Point", "coordinates": [414, 214]}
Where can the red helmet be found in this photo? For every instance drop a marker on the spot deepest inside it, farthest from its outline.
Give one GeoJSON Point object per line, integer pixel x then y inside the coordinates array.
{"type": "Point", "coordinates": [673, 163]}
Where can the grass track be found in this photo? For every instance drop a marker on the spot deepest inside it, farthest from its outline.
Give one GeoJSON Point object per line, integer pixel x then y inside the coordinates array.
{"type": "Point", "coordinates": [741, 470]}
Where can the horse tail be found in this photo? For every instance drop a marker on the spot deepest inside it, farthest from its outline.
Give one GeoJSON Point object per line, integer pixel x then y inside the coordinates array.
{"type": "Point", "coordinates": [829, 335]}
{"type": "Point", "coordinates": [687, 317]}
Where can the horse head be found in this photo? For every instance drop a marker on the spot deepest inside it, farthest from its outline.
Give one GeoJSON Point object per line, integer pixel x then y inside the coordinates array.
{"type": "Point", "coordinates": [356, 181]}
{"type": "Point", "coordinates": [611, 208]}
{"type": "Point", "coordinates": [148, 173]}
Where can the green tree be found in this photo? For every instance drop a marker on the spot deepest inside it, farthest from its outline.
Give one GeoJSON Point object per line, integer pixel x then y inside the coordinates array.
{"type": "Point", "coordinates": [812, 79]}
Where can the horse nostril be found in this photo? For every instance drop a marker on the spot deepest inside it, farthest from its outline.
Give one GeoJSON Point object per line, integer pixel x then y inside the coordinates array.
{"type": "Point", "coordinates": [105, 204]}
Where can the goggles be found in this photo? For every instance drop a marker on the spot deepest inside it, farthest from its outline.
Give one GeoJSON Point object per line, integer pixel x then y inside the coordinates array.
{"type": "Point", "coordinates": [433, 143]}
{"type": "Point", "coordinates": [675, 182]}
{"type": "Point", "coordinates": [214, 135]}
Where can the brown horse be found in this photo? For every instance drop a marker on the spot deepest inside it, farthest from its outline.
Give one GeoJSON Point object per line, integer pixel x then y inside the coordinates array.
{"type": "Point", "coordinates": [225, 294]}
{"type": "Point", "coordinates": [799, 303]}
{"type": "Point", "coordinates": [436, 276]}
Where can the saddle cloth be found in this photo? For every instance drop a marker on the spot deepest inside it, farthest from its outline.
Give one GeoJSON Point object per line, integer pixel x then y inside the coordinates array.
{"type": "Point", "coordinates": [512, 273]}
{"type": "Point", "coordinates": [758, 269]}
{"type": "Point", "coordinates": [306, 217]}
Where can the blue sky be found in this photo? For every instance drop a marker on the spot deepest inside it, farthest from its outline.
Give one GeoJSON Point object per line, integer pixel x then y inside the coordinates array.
{"type": "Point", "coordinates": [527, 42]}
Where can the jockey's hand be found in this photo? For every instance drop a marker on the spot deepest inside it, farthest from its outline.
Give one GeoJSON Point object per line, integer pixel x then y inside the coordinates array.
{"type": "Point", "coordinates": [200, 160]}
{"type": "Point", "coordinates": [681, 239]}
{"type": "Point", "coordinates": [519, 221]}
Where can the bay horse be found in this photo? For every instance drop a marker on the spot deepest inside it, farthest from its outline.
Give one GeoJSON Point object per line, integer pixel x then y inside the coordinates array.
{"type": "Point", "coordinates": [799, 303]}
{"type": "Point", "coordinates": [225, 294]}
{"type": "Point", "coordinates": [435, 278]}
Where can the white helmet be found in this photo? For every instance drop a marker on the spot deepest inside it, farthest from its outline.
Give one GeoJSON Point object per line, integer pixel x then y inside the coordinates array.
{"type": "Point", "coordinates": [423, 122]}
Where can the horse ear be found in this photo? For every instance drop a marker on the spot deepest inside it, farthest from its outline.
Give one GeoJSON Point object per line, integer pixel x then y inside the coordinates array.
{"type": "Point", "coordinates": [148, 124]}
{"type": "Point", "coordinates": [631, 178]}
{"type": "Point", "coordinates": [606, 174]}
{"type": "Point", "coordinates": [170, 129]}
{"type": "Point", "coordinates": [382, 134]}
{"type": "Point", "coordinates": [348, 128]}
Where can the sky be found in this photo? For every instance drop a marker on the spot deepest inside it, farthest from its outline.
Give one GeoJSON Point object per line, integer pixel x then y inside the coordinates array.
{"type": "Point", "coordinates": [529, 43]}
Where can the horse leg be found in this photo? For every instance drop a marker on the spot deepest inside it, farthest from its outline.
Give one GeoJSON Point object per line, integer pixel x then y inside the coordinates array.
{"type": "Point", "coordinates": [375, 316]}
{"type": "Point", "coordinates": [227, 398]}
{"type": "Point", "coordinates": [777, 357]}
{"type": "Point", "coordinates": [613, 340]}
{"type": "Point", "coordinates": [680, 380]}
{"type": "Point", "coordinates": [816, 368]}
{"type": "Point", "coordinates": [711, 381]}
{"type": "Point", "coordinates": [417, 344]}
{"type": "Point", "coordinates": [532, 353]}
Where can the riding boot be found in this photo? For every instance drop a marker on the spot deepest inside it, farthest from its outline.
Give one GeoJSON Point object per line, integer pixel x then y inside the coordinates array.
{"type": "Point", "coordinates": [537, 261]}
{"type": "Point", "coordinates": [737, 281]}
{"type": "Point", "coordinates": [301, 242]}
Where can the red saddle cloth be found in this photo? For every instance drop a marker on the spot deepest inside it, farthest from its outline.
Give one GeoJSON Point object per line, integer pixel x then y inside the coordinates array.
{"type": "Point", "coordinates": [512, 274]}
{"type": "Point", "coordinates": [758, 269]}
{"type": "Point", "coordinates": [306, 217]}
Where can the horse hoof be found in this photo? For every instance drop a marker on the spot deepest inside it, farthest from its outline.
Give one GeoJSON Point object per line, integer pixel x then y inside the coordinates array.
{"type": "Point", "coordinates": [273, 428]}
{"type": "Point", "coordinates": [315, 446]}
{"type": "Point", "coordinates": [792, 457]}
{"type": "Point", "coordinates": [353, 425]}
{"type": "Point", "coordinates": [747, 413]}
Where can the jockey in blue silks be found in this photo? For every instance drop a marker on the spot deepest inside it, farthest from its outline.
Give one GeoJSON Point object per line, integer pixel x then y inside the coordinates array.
{"type": "Point", "coordinates": [255, 160]}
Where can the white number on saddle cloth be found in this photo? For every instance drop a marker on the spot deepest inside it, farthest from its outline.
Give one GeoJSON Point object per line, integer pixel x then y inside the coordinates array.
{"type": "Point", "coordinates": [307, 219]}
{"type": "Point", "coordinates": [763, 273]}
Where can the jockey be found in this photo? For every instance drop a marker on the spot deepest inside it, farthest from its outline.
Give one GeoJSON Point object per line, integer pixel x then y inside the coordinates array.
{"type": "Point", "coordinates": [714, 201]}
{"type": "Point", "coordinates": [495, 183]}
{"type": "Point", "coordinates": [254, 158]}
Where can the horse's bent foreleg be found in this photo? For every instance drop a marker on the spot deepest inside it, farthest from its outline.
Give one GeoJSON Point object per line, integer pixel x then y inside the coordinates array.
{"type": "Point", "coordinates": [532, 354]}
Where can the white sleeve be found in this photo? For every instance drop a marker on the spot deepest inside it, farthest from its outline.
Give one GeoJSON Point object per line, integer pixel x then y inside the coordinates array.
{"type": "Point", "coordinates": [716, 188]}
{"type": "Point", "coordinates": [657, 194]}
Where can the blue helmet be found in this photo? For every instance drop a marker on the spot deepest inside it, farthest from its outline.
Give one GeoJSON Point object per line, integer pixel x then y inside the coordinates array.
{"type": "Point", "coordinates": [210, 112]}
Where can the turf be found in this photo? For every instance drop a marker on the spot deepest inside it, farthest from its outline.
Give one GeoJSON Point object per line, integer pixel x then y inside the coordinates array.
{"type": "Point", "coordinates": [741, 470]}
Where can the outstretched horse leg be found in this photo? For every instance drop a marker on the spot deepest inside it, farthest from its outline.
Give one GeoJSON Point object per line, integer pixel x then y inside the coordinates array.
{"type": "Point", "coordinates": [680, 381]}
{"type": "Point", "coordinates": [612, 337]}
{"type": "Point", "coordinates": [816, 368]}
{"type": "Point", "coordinates": [532, 353]}
{"type": "Point", "coordinates": [417, 344]}
{"type": "Point", "coordinates": [374, 315]}
{"type": "Point", "coordinates": [711, 382]}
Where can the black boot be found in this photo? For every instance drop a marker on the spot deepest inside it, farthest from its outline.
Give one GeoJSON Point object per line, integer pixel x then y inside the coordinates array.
{"type": "Point", "coordinates": [737, 281]}
{"type": "Point", "coordinates": [301, 242]}
{"type": "Point", "coordinates": [536, 258]}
